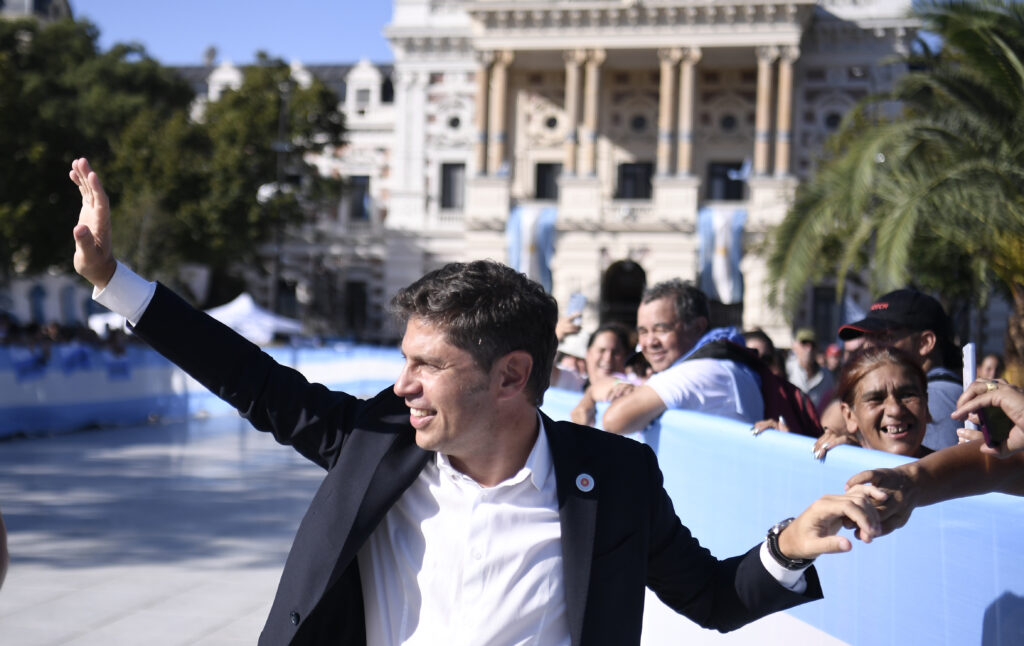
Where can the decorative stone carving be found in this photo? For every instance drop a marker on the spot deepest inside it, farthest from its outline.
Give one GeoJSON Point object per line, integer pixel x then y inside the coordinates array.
{"type": "Point", "coordinates": [544, 118]}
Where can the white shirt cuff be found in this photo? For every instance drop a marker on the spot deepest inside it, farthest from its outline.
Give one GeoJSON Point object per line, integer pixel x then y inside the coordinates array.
{"type": "Point", "coordinates": [127, 294]}
{"type": "Point", "coordinates": [793, 580]}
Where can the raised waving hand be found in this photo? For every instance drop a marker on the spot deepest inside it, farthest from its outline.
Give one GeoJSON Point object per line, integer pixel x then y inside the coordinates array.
{"type": "Point", "coordinates": [94, 252]}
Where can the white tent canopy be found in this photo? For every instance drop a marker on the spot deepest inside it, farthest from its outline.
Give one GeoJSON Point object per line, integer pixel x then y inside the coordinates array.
{"type": "Point", "coordinates": [253, 322]}
{"type": "Point", "coordinates": [242, 315]}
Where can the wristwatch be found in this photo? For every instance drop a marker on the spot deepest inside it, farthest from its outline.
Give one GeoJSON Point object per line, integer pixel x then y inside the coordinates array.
{"type": "Point", "coordinates": [773, 548]}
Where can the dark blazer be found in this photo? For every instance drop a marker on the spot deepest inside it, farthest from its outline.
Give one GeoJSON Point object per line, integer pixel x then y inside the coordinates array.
{"type": "Point", "coordinates": [617, 538]}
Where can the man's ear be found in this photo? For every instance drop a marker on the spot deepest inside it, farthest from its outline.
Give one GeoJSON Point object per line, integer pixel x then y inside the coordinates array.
{"type": "Point", "coordinates": [513, 372]}
{"type": "Point", "coordinates": [926, 342]}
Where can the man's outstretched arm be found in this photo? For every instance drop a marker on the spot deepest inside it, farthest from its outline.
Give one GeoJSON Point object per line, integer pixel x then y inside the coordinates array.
{"type": "Point", "coordinates": [633, 409]}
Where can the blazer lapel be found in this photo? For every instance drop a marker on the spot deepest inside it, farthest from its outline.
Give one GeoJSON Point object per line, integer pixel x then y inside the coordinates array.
{"type": "Point", "coordinates": [359, 490]}
{"type": "Point", "coordinates": [577, 509]}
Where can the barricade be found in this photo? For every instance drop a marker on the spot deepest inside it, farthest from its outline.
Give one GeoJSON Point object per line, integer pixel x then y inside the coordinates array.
{"type": "Point", "coordinates": [83, 386]}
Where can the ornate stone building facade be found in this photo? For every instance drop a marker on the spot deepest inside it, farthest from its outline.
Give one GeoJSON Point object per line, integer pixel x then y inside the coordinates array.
{"type": "Point", "coordinates": [631, 120]}
{"type": "Point", "coordinates": [597, 144]}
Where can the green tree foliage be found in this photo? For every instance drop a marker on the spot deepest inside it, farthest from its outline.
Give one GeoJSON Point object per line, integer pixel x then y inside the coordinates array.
{"type": "Point", "coordinates": [61, 98]}
{"type": "Point", "coordinates": [182, 190]}
{"type": "Point", "coordinates": [190, 189]}
{"type": "Point", "coordinates": [935, 197]}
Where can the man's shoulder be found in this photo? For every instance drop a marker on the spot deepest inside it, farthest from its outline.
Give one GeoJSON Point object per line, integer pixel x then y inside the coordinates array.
{"type": "Point", "coordinates": [698, 366]}
{"type": "Point", "coordinates": [944, 384]}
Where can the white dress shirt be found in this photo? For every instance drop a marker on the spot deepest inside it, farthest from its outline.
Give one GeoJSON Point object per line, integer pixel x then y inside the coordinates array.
{"type": "Point", "coordinates": [458, 564]}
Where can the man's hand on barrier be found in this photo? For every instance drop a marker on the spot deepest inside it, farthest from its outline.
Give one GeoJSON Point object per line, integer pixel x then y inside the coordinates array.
{"type": "Point", "coordinates": [94, 252]}
{"type": "Point", "coordinates": [814, 532]}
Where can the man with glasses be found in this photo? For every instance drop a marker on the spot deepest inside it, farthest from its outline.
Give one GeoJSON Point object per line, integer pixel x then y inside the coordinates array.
{"type": "Point", "coordinates": [915, 322]}
{"type": "Point", "coordinates": [672, 324]}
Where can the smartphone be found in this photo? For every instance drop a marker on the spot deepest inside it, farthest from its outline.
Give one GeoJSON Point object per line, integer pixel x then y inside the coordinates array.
{"type": "Point", "coordinates": [995, 425]}
{"type": "Point", "coordinates": [970, 374]}
{"type": "Point", "coordinates": [577, 301]}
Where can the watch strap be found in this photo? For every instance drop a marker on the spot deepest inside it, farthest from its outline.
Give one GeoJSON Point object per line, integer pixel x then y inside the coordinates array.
{"type": "Point", "coordinates": [773, 548]}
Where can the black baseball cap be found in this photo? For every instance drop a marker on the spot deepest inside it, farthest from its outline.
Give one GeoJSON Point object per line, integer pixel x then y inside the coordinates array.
{"type": "Point", "coordinates": [906, 309]}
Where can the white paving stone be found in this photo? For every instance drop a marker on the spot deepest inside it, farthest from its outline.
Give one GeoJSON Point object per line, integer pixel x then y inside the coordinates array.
{"type": "Point", "coordinates": [168, 534]}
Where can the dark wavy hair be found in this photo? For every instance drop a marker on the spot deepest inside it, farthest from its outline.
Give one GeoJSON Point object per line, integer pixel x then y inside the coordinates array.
{"type": "Point", "coordinates": [487, 309]}
{"type": "Point", "coordinates": [621, 332]}
{"type": "Point", "coordinates": [690, 303]}
{"type": "Point", "coordinates": [865, 360]}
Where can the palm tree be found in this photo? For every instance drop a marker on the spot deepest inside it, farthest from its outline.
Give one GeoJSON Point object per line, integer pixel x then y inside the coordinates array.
{"type": "Point", "coordinates": [935, 196]}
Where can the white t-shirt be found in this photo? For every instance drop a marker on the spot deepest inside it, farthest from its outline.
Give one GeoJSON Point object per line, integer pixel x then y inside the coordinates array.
{"type": "Point", "coordinates": [713, 386]}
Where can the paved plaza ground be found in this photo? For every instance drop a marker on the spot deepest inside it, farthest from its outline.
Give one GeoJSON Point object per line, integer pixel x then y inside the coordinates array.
{"type": "Point", "coordinates": [163, 534]}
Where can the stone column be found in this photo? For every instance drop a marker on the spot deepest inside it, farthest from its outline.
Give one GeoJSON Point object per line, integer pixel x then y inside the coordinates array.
{"type": "Point", "coordinates": [762, 123]}
{"type": "Point", "coordinates": [496, 105]}
{"type": "Point", "coordinates": [684, 150]}
{"type": "Point", "coordinates": [591, 100]}
{"type": "Point", "coordinates": [480, 116]}
{"type": "Point", "coordinates": [784, 111]}
{"type": "Point", "coordinates": [573, 60]}
{"type": "Point", "coordinates": [666, 101]}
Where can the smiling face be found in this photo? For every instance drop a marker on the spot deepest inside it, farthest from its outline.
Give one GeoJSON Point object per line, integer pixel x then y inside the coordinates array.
{"type": "Point", "coordinates": [451, 399]}
{"type": "Point", "coordinates": [889, 409]}
{"type": "Point", "coordinates": [605, 356]}
{"type": "Point", "coordinates": [663, 337]}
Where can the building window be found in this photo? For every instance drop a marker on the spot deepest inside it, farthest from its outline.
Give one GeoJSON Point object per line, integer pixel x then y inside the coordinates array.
{"type": "Point", "coordinates": [362, 100]}
{"type": "Point", "coordinates": [359, 198]}
{"type": "Point", "coordinates": [634, 181]}
{"type": "Point", "coordinates": [37, 304]}
{"type": "Point", "coordinates": [724, 181]}
{"type": "Point", "coordinates": [546, 181]}
{"type": "Point", "coordinates": [453, 186]}
{"type": "Point", "coordinates": [355, 306]}
{"type": "Point", "coordinates": [68, 305]}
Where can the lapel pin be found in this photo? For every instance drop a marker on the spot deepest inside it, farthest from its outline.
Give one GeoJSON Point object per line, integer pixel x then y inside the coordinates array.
{"type": "Point", "coordinates": [584, 482]}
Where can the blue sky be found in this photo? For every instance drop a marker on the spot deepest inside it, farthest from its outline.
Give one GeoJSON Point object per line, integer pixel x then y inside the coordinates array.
{"type": "Point", "coordinates": [179, 31]}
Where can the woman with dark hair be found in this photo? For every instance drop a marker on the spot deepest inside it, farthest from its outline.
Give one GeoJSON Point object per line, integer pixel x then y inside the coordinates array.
{"type": "Point", "coordinates": [607, 350]}
{"type": "Point", "coordinates": [883, 394]}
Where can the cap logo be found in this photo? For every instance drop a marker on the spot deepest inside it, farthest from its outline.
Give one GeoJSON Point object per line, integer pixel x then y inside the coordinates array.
{"type": "Point", "coordinates": [879, 306]}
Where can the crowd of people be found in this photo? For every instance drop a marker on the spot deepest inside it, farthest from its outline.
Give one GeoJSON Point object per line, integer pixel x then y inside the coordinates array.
{"type": "Point", "coordinates": [44, 341]}
{"type": "Point", "coordinates": [889, 383]}
{"type": "Point", "coordinates": [893, 383]}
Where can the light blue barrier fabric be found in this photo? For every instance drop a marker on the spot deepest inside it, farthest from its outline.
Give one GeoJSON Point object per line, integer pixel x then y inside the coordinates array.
{"type": "Point", "coordinates": [81, 386]}
{"type": "Point", "coordinates": [953, 575]}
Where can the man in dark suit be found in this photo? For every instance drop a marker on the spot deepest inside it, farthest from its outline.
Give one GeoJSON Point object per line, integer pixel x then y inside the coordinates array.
{"type": "Point", "coordinates": [453, 511]}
